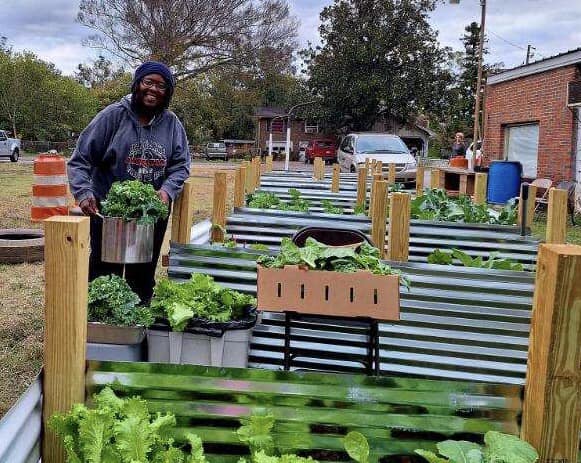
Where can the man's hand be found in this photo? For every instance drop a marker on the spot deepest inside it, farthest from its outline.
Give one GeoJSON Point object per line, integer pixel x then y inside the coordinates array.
{"type": "Point", "coordinates": [163, 196]}
{"type": "Point", "coordinates": [89, 206]}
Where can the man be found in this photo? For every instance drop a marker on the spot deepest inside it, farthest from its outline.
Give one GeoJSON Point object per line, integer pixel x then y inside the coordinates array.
{"type": "Point", "coordinates": [135, 138]}
{"type": "Point", "coordinates": [459, 147]}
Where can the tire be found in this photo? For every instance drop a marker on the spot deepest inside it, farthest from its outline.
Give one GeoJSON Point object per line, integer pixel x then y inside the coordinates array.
{"type": "Point", "coordinates": [15, 155]}
{"type": "Point", "coordinates": [20, 245]}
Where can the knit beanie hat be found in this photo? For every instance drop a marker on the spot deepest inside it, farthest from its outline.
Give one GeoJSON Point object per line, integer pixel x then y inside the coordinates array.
{"type": "Point", "coordinates": [154, 67]}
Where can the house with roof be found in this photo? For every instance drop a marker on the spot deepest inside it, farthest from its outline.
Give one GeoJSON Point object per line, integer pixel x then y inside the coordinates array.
{"type": "Point", "coordinates": [532, 115]}
{"type": "Point", "coordinates": [269, 119]}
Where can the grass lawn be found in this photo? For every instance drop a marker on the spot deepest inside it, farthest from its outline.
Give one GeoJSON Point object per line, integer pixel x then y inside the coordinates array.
{"type": "Point", "coordinates": [22, 285]}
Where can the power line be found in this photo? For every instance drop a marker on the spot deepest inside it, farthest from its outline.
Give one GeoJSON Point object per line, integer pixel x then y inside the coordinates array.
{"type": "Point", "coordinates": [514, 44]}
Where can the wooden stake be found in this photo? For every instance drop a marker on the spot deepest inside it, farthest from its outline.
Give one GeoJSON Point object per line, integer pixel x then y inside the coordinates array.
{"type": "Point", "coordinates": [219, 207]}
{"type": "Point", "coordinates": [248, 178]}
{"type": "Point", "coordinates": [398, 243]}
{"type": "Point", "coordinates": [66, 267]}
{"type": "Point", "coordinates": [435, 179]}
{"type": "Point", "coordinates": [557, 216]}
{"type": "Point", "coordinates": [376, 178]}
{"type": "Point", "coordinates": [420, 181]}
{"type": "Point", "coordinates": [391, 175]}
{"type": "Point", "coordinates": [182, 215]}
{"type": "Point", "coordinates": [552, 407]}
{"type": "Point", "coordinates": [530, 205]}
{"type": "Point", "coordinates": [480, 186]}
{"type": "Point", "coordinates": [379, 167]}
{"type": "Point", "coordinates": [239, 181]}
{"type": "Point", "coordinates": [378, 217]}
{"type": "Point", "coordinates": [335, 181]}
{"type": "Point", "coordinates": [361, 186]}
{"type": "Point", "coordinates": [257, 172]}
{"type": "Point", "coordinates": [367, 164]}
{"type": "Point", "coordinates": [269, 164]}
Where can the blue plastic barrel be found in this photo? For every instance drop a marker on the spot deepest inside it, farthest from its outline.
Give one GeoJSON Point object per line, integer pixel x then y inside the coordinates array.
{"type": "Point", "coordinates": [504, 178]}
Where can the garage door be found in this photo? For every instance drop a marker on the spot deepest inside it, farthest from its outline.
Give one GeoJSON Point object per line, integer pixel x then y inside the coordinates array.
{"type": "Point", "coordinates": [522, 144]}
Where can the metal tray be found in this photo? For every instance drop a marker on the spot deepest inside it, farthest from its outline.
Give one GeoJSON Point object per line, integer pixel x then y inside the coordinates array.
{"type": "Point", "coordinates": [111, 334]}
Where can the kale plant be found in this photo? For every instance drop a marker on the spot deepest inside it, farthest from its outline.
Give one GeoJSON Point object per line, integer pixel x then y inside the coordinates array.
{"type": "Point", "coordinates": [133, 199]}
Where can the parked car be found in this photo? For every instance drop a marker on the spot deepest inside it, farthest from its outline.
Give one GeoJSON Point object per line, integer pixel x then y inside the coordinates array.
{"type": "Point", "coordinates": [216, 150]}
{"type": "Point", "coordinates": [355, 148]}
{"type": "Point", "coordinates": [321, 148]}
{"type": "Point", "coordinates": [9, 147]}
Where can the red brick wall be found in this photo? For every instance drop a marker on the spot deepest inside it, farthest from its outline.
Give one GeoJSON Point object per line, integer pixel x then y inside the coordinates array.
{"type": "Point", "coordinates": [537, 98]}
{"type": "Point", "coordinates": [297, 135]}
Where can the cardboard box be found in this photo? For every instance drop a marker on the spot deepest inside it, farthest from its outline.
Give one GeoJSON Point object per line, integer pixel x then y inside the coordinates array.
{"type": "Point", "coordinates": [359, 294]}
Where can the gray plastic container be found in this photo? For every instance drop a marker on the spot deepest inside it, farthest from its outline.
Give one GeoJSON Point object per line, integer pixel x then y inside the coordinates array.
{"type": "Point", "coordinates": [115, 343]}
{"type": "Point", "coordinates": [230, 350]}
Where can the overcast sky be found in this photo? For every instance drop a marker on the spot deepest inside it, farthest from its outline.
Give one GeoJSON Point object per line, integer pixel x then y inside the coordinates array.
{"type": "Point", "coordinates": [48, 28]}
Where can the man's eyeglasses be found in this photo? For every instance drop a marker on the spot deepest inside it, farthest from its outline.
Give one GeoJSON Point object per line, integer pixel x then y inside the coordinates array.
{"type": "Point", "coordinates": [152, 83]}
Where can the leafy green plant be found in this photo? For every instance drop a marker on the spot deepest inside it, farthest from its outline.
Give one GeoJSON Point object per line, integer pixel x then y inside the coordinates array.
{"type": "Point", "coordinates": [263, 200]}
{"type": "Point", "coordinates": [359, 209]}
{"type": "Point", "coordinates": [112, 301]}
{"type": "Point", "coordinates": [318, 256]}
{"type": "Point", "coordinates": [133, 199]}
{"type": "Point", "coordinates": [121, 430]}
{"type": "Point", "coordinates": [296, 203]}
{"type": "Point", "coordinates": [258, 247]}
{"type": "Point", "coordinates": [436, 205]}
{"type": "Point", "coordinates": [492, 262]}
{"type": "Point", "coordinates": [256, 432]}
{"type": "Point", "coordinates": [229, 241]}
{"type": "Point", "coordinates": [200, 297]}
{"type": "Point", "coordinates": [498, 448]}
{"type": "Point", "coordinates": [357, 446]}
{"type": "Point", "coordinates": [329, 208]}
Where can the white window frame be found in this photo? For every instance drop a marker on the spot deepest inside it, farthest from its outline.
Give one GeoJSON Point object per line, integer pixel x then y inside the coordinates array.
{"type": "Point", "coordinates": [311, 128]}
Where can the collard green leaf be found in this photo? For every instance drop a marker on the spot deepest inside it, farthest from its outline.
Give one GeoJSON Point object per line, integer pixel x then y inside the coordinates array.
{"type": "Point", "coordinates": [440, 257]}
{"type": "Point", "coordinates": [457, 451]}
{"type": "Point", "coordinates": [357, 447]}
{"type": "Point", "coordinates": [504, 448]}
{"type": "Point", "coordinates": [133, 199]}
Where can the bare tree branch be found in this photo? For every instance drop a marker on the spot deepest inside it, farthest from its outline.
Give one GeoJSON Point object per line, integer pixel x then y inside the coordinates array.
{"type": "Point", "coordinates": [192, 36]}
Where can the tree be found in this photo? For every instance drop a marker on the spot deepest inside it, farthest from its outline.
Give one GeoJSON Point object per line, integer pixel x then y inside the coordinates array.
{"type": "Point", "coordinates": [98, 73]}
{"type": "Point", "coordinates": [377, 57]}
{"type": "Point", "coordinates": [191, 36]}
{"type": "Point", "coordinates": [38, 102]}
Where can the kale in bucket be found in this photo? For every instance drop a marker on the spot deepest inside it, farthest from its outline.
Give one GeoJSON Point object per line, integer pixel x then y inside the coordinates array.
{"type": "Point", "coordinates": [133, 199]}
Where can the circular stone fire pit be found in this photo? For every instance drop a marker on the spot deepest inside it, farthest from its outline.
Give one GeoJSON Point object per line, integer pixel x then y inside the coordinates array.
{"type": "Point", "coordinates": [19, 245]}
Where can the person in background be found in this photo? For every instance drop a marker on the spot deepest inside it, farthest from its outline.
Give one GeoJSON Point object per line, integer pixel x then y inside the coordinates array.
{"type": "Point", "coordinates": [459, 147]}
{"type": "Point", "coordinates": [137, 138]}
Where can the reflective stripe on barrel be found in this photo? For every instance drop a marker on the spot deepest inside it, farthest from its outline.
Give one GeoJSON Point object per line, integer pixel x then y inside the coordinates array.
{"type": "Point", "coordinates": [49, 190]}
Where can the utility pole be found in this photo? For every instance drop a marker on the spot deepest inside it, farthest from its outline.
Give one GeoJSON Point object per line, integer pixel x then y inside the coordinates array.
{"type": "Point", "coordinates": [530, 54]}
{"type": "Point", "coordinates": [479, 80]}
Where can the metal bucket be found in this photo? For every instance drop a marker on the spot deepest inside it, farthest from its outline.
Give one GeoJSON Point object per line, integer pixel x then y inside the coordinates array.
{"type": "Point", "coordinates": [126, 242]}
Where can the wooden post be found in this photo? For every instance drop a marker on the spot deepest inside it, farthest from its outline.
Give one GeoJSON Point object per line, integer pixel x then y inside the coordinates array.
{"type": "Point", "coordinates": [480, 185]}
{"type": "Point", "coordinates": [398, 243]}
{"type": "Point", "coordinates": [379, 167]}
{"type": "Point", "coordinates": [219, 207]}
{"type": "Point", "coordinates": [391, 175]}
{"type": "Point", "coordinates": [378, 216]}
{"type": "Point", "coordinates": [530, 205]}
{"type": "Point", "coordinates": [182, 215]}
{"type": "Point", "coordinates": [367, 164]}
{"type": "Point", "coordinates": [361, 186]}
{"type": "Point", "coordinates": [239, 181]}
{"type": "Point", "coordinates": [269, 164]}
{"type": "Point", "coordinates": [557, 217]}
{"type": "Point", "coordinates": [435, 179]}
{"type": "Point", "coordinates": [257, 173]}
{"type": "Point", "coordinates": [552, 406]}
{"type": "Point", "coordinates": [248, 177]}
{"type": "Point", "coordinates": [420, 181]}
{"type": "Point", "coordinates": [66, 268]}
{"type": "Point", "coordinates": [376, 178]}
{"type": "Point", "coordinates": [335, 181]}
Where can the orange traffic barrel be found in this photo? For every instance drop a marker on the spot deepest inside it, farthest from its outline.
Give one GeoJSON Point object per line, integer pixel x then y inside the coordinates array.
{"type": "Point", "coordinates": [459, 161]}
{"type": "Point", "coordinates": [49, 187]}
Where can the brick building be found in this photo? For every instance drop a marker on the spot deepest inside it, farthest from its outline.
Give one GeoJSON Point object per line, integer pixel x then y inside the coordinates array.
{"type": "Point", "coordinates": [528, 119]}
{"type": "Point", "coordinates": [303, 131]}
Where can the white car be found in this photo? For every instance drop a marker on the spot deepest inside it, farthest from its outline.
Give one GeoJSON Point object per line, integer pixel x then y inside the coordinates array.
{"type": "Point", "coordinates": [9, 147]}
{"type": "Point", "coordinates": [357, 147]}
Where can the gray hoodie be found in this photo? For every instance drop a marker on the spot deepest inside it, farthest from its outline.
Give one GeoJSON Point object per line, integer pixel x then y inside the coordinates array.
{"type": "Point", "coordinates": [114, 147]}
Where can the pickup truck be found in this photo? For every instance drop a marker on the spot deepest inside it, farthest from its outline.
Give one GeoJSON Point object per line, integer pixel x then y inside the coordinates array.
{"type": "Point", "coordinates": [9, 147]}
{"type": "Point", "coordinates": [216, 150]}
